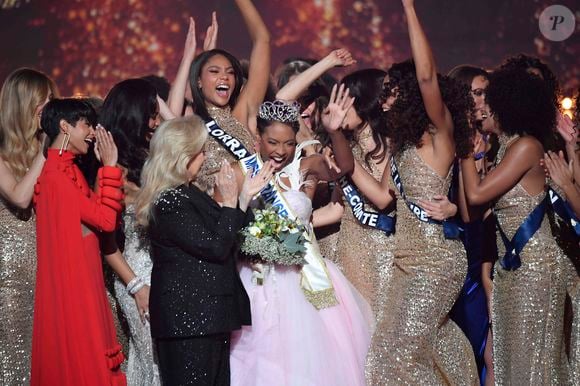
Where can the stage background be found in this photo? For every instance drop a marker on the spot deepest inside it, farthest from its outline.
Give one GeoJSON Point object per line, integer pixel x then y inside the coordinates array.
{"type": "Point", "coordinates": [87, 46]}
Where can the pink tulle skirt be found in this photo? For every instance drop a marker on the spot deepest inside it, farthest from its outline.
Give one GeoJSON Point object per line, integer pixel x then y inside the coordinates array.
{"type": "Point", "coordinates": [291, 343]}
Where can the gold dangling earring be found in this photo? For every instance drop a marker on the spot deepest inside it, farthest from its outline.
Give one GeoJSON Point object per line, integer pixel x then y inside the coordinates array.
{"type": "Point", "coordinates": [64, 143]}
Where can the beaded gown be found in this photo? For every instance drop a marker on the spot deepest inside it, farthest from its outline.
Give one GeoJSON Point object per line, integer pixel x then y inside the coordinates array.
{"type": "Point", "coordinates": [74, 340]}
{"type": "Point", "coordinates": [290, 342]}
{"type": "Point", "coordinates": [215, 153]}
{"type": "Point", "coordinates": [141, 367]}
{"type": "Point", "coordinates": [528, 303]}
{"type": "Point", "coordinates": [416, 342]}
{"type": "Point", "coordinates": [365, 254]}
{"type": "Point", "coordinates": [17, 279]}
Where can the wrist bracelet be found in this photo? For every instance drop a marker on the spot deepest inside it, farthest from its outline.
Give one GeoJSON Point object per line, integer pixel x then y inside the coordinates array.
{"type": "Point", "coordinates": [134, 282]}
{"type": "Point", "coordinates": [137, 287]}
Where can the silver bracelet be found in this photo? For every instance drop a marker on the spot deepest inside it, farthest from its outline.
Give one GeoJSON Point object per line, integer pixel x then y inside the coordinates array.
{"type": "Point", "coordinates": [134, 282]}
{"type": "Point", "coordinates": [137, 287]}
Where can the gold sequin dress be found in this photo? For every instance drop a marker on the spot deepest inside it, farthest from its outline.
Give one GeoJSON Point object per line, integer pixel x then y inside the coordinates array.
{"type": "Point", "coordinates": [17, 279]}
{"type": "Point", "coordinates": [215, 153]}
{"type": "Point", "coordinates": [416, 343]}
{"type": "Point", "coordinates": [365, 254]}
{"type": "Point", "coordinates": [528, 303]}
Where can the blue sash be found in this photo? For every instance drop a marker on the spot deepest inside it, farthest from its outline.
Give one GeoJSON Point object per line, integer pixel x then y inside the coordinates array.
{"type": "Point", "coordinates": [356, 202]}
{"type": "Point", "coordinates": [562, 209]}
{"type": "Point", "coordinates": [511, 260]}
{"type": "Point", "coordinates": [450, 229]}
{"type": "Point", "coordinates": [230, 143]}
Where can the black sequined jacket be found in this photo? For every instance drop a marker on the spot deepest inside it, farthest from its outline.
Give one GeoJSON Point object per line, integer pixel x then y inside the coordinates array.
{"type": "Point", "coordinates": [195, 287]}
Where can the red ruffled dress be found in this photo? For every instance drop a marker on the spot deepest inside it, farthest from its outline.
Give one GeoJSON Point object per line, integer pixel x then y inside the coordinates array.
{"type": "Point", "coordinates": [74, 339]}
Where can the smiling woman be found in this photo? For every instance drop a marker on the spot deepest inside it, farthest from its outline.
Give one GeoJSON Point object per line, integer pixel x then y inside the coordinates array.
{"type": "Point", "coordinates": [216, 81]}
{"type": "Point", "coordinates": [74, 339]}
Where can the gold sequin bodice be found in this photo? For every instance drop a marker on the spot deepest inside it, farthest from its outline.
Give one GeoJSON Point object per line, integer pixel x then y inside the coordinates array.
{"type": "Point", "coordinates": [513, 207]}
{"type": "Point", "coordinates": [528, 303]}
{"type": "Point", "coordinates": [215, 152]}
{"type": "Point", "coordinates": [363, 253]}
{"type": "Point", "coordinates": [420, 182]}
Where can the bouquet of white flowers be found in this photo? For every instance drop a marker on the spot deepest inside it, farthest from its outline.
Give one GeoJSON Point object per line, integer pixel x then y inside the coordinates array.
{"type": "Point", "coordinates": [275, 239]}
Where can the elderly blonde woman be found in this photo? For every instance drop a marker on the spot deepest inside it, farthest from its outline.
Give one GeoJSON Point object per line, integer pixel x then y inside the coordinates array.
{"type": "Point", "coordinates": [196, 297]}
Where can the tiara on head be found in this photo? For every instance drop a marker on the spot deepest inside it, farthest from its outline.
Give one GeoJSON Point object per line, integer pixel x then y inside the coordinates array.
{"type": "Point", "coordinates": [280, 111]}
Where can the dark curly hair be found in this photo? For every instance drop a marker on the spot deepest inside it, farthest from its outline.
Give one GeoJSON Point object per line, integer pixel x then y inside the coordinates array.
{"type": "Point", "coordinates": [125, 113]}
{"type": "Point", "coordinates": [366, 86]}
{"type": "Point", "coordinates": [521, 103]}
{"type": "Point", "coordinates": [407, 120]}
{"type": "Point", "coordinates": [195, 71]}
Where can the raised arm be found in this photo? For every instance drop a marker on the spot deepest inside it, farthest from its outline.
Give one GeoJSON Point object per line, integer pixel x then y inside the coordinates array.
{"type": "Point", "coordinates": [19, 193]}
{"type": "Point", "coordinates": [521, 157]}
{"type": "Point", "coordinates": [427, 76]}
{"type": "Point", "coordinates": [294, 89]}
{"type": "Point", "coordinates": [177, 92]}
{"type": "Point", "coordinates": [253, 92]}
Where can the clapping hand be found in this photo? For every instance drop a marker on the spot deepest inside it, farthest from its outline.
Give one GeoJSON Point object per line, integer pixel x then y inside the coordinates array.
{"type": "Point", "coordinates": [210, 41]}
{"type": "Point", "coordinates": [190, 42]}
{"type": "Point", "coordinates": [557, 169]}
{"type": "Point", "coordinates": [105, 148]}
{"type": "Point", "coordinates": [567, 130]}
{"type": "Point", "coordinates": [227, 186]}
{"type": "Point", "coordinates": [339, 104]}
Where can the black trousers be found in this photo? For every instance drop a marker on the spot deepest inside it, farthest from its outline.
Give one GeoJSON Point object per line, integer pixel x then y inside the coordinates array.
{"type": "Point", "coordinates": [200, 361]}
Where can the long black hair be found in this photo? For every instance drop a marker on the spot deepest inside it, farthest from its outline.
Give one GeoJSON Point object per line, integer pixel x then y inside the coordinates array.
{"type": "Point", "coordinates": [366, 86]}
{"type": "Point", "coordinates": [126, 112]}
{"type": "Point", "coordinates": [195, 72]}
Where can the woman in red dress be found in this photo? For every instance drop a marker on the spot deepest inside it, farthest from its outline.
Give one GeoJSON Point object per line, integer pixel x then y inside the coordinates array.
{"type": "Point", "coordinates": [74, 340]}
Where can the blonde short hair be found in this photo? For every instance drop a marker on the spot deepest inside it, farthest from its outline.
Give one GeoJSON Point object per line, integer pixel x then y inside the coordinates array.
{"type": "Point", "coordinates": [175, 143]}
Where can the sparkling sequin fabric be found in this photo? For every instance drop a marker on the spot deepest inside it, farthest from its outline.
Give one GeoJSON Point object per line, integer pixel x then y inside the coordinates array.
{"type": "Point", "coordinates": [416, 343]}
{"type": "Point", "coordinates": [365, 254]}
{"type": "Point", "coordinates": [528, 303]}
{"type": "Point", "coordinates": [141, 367]}
{"type": "Point", "coordinates": [17, 278]}
{"type": "Point", "coordinates": [215, 152]}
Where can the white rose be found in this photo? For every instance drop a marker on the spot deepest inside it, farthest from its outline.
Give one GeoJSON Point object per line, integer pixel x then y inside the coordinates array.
{"type": "Point", "coordinates": [254, 231]}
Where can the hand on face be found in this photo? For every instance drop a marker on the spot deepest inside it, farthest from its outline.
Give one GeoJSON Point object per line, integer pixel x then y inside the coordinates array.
{"type": "Point", "coordinates": [105, 148]}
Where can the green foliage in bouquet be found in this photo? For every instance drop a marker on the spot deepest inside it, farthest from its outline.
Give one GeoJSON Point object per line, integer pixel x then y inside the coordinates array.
{"type": "Point", "coordinates": [274, 239]}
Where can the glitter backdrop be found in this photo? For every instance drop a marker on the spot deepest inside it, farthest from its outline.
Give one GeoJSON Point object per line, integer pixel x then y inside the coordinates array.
{"type": "Point", "coordinates": [89, 45]}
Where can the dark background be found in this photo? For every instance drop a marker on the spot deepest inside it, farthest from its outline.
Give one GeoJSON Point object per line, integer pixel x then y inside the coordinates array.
{"type": "Point", "coordinates": [87, 46]}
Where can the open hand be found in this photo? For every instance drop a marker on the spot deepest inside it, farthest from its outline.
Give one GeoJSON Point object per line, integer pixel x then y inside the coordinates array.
{"type": "Point", "coordinates": [190, 42]}
{"type": "Point", "coordinates": [253, 185]}
{"type": "Point", "coordinates": [338, 105]}
{"type": "Point", "coordinates": [210, 41]}
{"type": "Point", "coordinates": [440, 208]}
